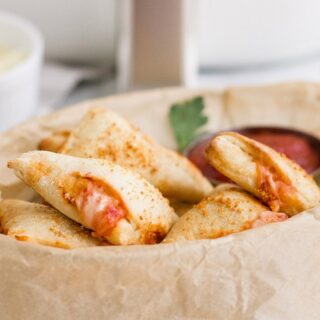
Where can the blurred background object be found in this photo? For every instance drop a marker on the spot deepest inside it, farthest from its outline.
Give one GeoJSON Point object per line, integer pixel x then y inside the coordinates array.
{"type": "Point", "coordinates": [80, 40]}
{"type": "Point", "coordinates": [254, 33]}
{"type": "Point", "coordinates": [76, 31]}
{"type": "Point", "coordinates": [224, 42]}
{"type": "Point", "coordinates": [21, 50]}
{"type": "Point", "coordinates": [99, 47]}
{"type": "Point", "coordinates": [252, 42]}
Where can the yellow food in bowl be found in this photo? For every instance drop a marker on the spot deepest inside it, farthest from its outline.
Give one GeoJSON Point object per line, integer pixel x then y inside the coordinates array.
{"type": "Point", "coordinates": [10, 57]}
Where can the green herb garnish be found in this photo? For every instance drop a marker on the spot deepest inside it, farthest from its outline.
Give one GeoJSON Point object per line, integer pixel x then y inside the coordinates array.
{"type": "Point", "coordinates": [186, 118]}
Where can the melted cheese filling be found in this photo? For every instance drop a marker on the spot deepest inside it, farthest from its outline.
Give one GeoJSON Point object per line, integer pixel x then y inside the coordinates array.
{"type": "Point", "coordinates": [101, 211]}
{"type": "Point", "coordinates": [267, 217]}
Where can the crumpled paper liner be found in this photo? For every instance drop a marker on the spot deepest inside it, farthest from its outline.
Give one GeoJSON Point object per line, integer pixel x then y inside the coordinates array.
{"type": "Point", "coordinates": [265, 273]}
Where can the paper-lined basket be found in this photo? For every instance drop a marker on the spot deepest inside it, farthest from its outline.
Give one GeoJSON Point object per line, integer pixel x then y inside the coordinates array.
{"type": "Point", "coordinates": [265, 273]}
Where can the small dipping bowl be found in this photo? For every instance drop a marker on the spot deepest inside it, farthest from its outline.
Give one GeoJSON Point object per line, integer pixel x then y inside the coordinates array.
{"type": "Point", "coordinates": [19, 84]}
{"type": "Point", "coordinates": [299, 146]}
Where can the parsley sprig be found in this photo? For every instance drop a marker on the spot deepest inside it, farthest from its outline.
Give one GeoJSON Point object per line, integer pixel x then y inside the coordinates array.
{"type": "Point", "coordinates": [186, 118]}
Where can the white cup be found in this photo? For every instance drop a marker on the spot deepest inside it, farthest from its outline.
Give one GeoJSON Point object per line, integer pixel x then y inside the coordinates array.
{"type": "Point", "coordinates": [19, 86]}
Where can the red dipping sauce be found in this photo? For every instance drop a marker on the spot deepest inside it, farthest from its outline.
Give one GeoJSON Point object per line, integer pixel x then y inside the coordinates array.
{"type": "Point", "coordinates": [300, 147]}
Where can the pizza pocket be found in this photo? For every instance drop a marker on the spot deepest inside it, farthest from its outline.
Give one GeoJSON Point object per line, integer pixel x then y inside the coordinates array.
{"type": "Point", "coordinates": [115, 203]}
{"type": "Point", "coordinates": [105, 135]}
{"type": "Point", "coordinates": [38, 223]}
{"type": "Point", "coordinates": [225, 211]}
{"type": "Point", "coordinates": [279, 182]}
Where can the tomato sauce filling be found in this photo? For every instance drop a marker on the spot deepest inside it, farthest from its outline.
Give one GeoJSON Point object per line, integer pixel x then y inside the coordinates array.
{"type": "Point", "coordinates": [274, 191]}
{"type": "Point", "coordinates": [100, 207]}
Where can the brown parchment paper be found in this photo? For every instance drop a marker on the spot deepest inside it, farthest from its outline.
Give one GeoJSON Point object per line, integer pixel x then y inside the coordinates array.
{"type": "Point", "coordinates": [267, 273]}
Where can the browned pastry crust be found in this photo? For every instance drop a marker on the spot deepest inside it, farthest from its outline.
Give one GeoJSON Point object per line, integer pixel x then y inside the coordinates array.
{"type": "Point", "coordinates": [54, 142]}
{"type": "Point", "coordinates": [226, 210]}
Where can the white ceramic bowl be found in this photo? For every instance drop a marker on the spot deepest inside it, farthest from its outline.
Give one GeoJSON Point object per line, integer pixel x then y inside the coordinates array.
{"type": "Point", "coordinates": [19, 86]}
